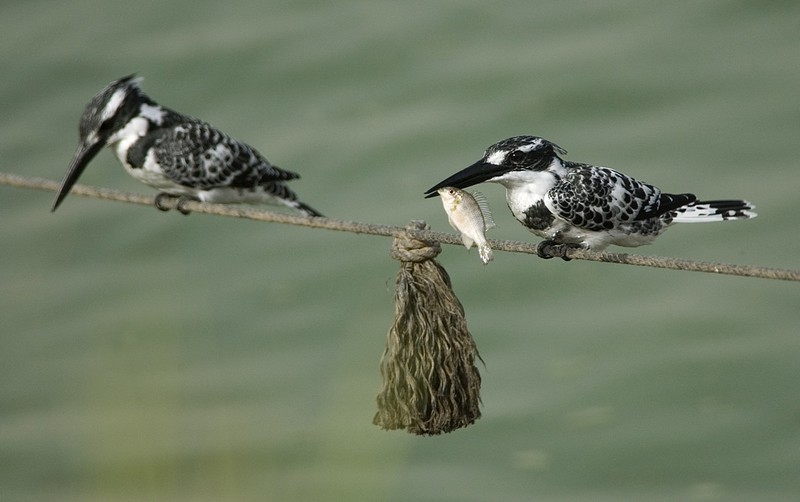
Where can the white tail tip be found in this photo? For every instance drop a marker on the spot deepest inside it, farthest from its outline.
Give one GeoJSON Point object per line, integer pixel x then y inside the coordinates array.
{"type": "Point", "coordinates": [715, 210]}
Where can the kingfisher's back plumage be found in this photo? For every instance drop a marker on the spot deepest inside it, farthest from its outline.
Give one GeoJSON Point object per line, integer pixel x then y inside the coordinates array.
{"type": "Point", "coordinates": [581, 204]}
{"type": "Point", "coordinates": [176, 154]}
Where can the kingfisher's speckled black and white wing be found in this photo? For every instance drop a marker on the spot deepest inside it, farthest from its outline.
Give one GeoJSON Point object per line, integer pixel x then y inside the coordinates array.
{"type": "Point", "coordinates": [198, 155]}
{"type": "Point", "coordinates": [599, 198]}
{"type": "Point", "coordinates": [213, 166]}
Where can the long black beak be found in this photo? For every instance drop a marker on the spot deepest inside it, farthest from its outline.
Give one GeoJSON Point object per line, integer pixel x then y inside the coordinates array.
{"type": "Point", "coordinates": [83, 155]}
{"type": "Point", "coordinates": [472, 175]}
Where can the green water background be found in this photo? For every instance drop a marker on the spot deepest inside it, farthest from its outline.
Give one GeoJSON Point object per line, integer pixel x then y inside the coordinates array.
{"type": "Point", "coordinates": [151, 356]}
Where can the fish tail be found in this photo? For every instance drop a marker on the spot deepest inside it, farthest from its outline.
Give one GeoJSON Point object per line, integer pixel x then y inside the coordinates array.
{"type": "Point", "coordinates": [485, 253]}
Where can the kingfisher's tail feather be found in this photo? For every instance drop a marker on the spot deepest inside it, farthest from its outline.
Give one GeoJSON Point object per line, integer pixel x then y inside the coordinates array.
{"type": "Point", "coordinates": [715, 210]}
{"type": "Point", "coordinates": [305, 208]}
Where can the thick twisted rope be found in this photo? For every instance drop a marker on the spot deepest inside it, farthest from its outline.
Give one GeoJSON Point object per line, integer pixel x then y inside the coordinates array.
{"type": "Point", "coordinates": [397, 231]}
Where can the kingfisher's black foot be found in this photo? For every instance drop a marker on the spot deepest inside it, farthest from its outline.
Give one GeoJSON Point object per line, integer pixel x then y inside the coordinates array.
{"type": "Point", "coordinates": [180, 205]}
{"type": "Point", "coordinates": [548, 249]}
{"type": "Point", "coordinates": [159, 202]}
{"type": "Point", "coordinates": [543, 249]}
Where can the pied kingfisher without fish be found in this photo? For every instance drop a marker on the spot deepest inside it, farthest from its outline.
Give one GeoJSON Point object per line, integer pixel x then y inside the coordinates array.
{"type": "Point", "coordinates": [583, 205]}
{"type": "Point", "coordinates": [178, 155]}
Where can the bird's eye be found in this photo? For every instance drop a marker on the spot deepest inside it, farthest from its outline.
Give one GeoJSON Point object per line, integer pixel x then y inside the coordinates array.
{"type": "Point", "coordinates": [516, 156]}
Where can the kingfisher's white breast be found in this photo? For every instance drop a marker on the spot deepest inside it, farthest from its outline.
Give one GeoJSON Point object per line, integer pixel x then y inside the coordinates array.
{"type": "Point", "coordinates": [121, 141]}
{"type": "Point", "coordinates": [525, 189]}
{"type": "Point", "coordinates": [150, 173]}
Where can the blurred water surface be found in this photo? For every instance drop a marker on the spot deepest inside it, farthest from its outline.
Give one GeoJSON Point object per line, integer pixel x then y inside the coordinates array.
{"type": "Point", "coordinates": [152, 356]}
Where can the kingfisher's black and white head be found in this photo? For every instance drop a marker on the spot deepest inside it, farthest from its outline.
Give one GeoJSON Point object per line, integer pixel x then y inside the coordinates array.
{"type": "Point", "coordinates": [118, 111]}
{"type": "Point", "coordinates": [519, 160]}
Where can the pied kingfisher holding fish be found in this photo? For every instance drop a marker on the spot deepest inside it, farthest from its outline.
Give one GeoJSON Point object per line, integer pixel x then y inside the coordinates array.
{"type": "Point", "coordinates": [582, 205]}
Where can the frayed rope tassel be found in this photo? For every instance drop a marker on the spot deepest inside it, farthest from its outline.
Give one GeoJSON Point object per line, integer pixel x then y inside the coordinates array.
{"type": "Point", "coordinates": [430, 382]}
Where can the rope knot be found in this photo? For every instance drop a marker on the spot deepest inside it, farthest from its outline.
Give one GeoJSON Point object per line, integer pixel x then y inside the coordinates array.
{"type": "Point", "coordinates": [407, 249]}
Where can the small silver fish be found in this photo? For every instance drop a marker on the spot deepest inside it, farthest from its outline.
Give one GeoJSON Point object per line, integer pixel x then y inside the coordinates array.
{"type": "Point", "coordinates": [469, 214]}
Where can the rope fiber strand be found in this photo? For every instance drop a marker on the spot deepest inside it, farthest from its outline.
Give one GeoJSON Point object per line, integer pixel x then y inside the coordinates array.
{"type": "Point", "coordinates": [397, 231]}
